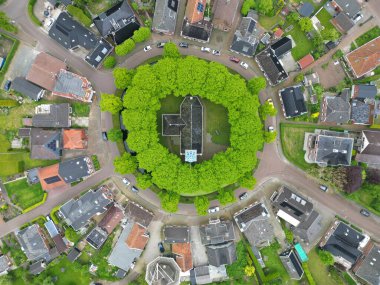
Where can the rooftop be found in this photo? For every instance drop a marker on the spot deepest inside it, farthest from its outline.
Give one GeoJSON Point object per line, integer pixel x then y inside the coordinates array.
{"type": "Point", "coordinates": [74, 169]}
{"type": "Point", "coordinates": [112, 218]}
{"type": "Point", "coordinates": [369, 270]}
{"type": "Point", "coordinates": [198, 31]}
{"type": "Point", "coordinates": [342, 22]}
{"type": "Point", "coordinates": [224, 14]}
{"type": "Point", "coordinates": [163, 270]}
{"type": "Point", "coordinates": [282, 47]}
{"type": "Point", "coordinates": [52, 116]}
{"type": "Point", "coordinates": [306, 9]}
{"type": "Point", "coordinates": [176, 234]}
{"type": "Point", "coordinates": [97, 237]}
{"type": "Point", "coordinates": [369, 151]}
{"type": "Point", "coordinates": [364, 91]}
{"type": "Point", "coordinates": [307, 59]}
{"type": "Point", "coordinates": [221, 254]}
{"type": "Point", "coordinates": [183, 254]}
{"type": "Point", "coordinates": [216, 233]}
{"type": "Point", "coordinates": [137, 239]}
{"type": "Point", "coordinates": [195, 11]}
{"type": "Point", "coordinates": [361, 112]}
{"type": "Point", "coordinates": [32, 243]}
{"type": "Point", "coordinates": [271, 66]}
{"type": "Point", "coordinates": [73, 254]}
{"type": "Point", "coordinates": [45, 144]}
{"type": "Point", "coordinates": [49, 177]}
{"type": "Point", "coordinates": [336, 109]}
{"type": "Point", "coordinates": [26, 88]}
{"type": "Point", "coordinates": [292, 264]}
{"type": "Point", "coordinates": [37, 267]}
{"type": "Point", "coordinates": [293, 101]}
{"type": "Point", "coordinates": [138, 214]}
{"type": "Point", "coordinates": [5, 263]}
{"type": "Point", "coordinates": [165, 16]}
{"type": "Point", "coordinates": [74, 139]}
{"type": "Point", "coordinates": [350, 7]}
{"type": "Point", "coordinates": [202, 274]}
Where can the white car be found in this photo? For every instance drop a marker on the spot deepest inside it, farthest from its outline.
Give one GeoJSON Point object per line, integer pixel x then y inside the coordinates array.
{"type": "Point", "coordinates": [126, 181]}
{"type": "Point", "coordinates": [270, 129]}
{"type": "Point", "coordinates": [213, 209]}
{"type": "Point", "coordinates": [147, 48]}
{"type": "Point", "coordinates": [216, 52]}
{"type": "Point", "coordinates": [244, 65]}
{"type": "Point", "coordinates": [205, 49]}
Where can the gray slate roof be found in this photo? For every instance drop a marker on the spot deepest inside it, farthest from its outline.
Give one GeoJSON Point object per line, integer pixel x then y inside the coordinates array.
{"type": "Point", "coordinates": [306, 9]}
{"type": "Point", "coordinates": [68, 83]}
{"type": "Point", "coordinates": [373, 139]}
{"type": "Point", "coordinates": [162, 271]}
{"type": "Point", "coordinates": [165, 16]}
{"type": "Point", "coordinates": [4, 263]}
{"type": "Point", "coordinates": [26, 88]}
{"type": "Point", "coordinates": [32, 243]}
{"type": "Point", "coordinates": [282, 47]}
{"type": "Point", "coordinates": [138, 214]}
{"type": "Point", "coordinates": [343, 22]}
{"type": "Point", "coordinates": [74, 254]}
{"type": "Point", "coordinates": [293, 101]}
{"type": "Point", "coordinates": [96, 56]}
{"type": "Point", "coordinates": [360, 112]}
{"type": "Point", "coordinates": [336, 109]}
{"type": "Point", "coordinates": [176, 234]}
{"type": "Point", "coordinates": [37, 267]}
{"type": "Point", "coordinates": [77, 213]}
{"type": "Point", "coordinates": [76, 168]}
{"type": "Point", "coordinates": [350, 7]}
{"type": "Point", "coordinates": [57, 117]}
{"type": "Point", "coordinates": [271, 66]}
{"type": "Point", "coordinates": [222, 254]}
{"type": "Point", "coordinates": [369, 270]}
{"type": "Point", "coordinates": [217, 233]}
{"type": "Point", "coordinates": [45, 144]}
{"type": "Point", "coordinates": [292, 264]}
{"type": "Point", "coordinates": [362, 91]}
{"type": "Point", "coordinates": [309, 229]}
{"type": "Point", "coordinates": [97, 237]}
{"type": "Point", "coordinates": [202, 274]}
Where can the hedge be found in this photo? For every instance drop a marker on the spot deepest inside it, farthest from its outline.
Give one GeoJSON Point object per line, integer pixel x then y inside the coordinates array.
{"type": "Point", "coordinates": [79, 15]}
{"type": "Point", "coordinates": [53, 214]}
{"type": "Point", "coordinates": [95, 162]}
{"type": "Point", "coordinates": [33, 17]}
{"type": "Point", "coordinates": [10, 55]}
{"type": "Point", "coordinates": [308, 275]}
{"type": "Point", "coordinates": [8, 103]}
{"type": "Point", "coordinates": [36, 205]}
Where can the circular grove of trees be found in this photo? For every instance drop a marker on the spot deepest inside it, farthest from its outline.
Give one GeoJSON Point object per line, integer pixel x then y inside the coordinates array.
{"type": "Point", "coordinates": [210, 80]}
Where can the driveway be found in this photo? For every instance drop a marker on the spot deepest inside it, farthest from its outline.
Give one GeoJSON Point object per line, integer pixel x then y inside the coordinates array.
{"type": "Point", "coordinates": [331, 75]}
{"type": "Point", "coordinates": [22, 61]}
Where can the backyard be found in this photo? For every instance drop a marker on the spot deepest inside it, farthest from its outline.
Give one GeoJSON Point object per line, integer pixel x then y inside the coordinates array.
{"type": "Point", "coordinates": [368, 196]}
{"type": "Point", "coordinates": [269, 22]}
{"type": "Point", "coordinates": [324, 17]}
{"type": "Point", "coordinates": [303, 45]}
{"type": "Point", "coordinates": [24, 195]}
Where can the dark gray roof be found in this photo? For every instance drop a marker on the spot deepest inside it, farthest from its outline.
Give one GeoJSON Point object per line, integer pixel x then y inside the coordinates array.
{"type": "Point", "coordinates": [373, 140]}
{"type": "Point", "coordinates": [24, 132]}
{"type": "Point", "coordinates": [196, 31]}
{"type": "Point", "coordinates": [76, 168]}
{"type": "Point", "coordinates": [176, 234]}
{"type": "Point", "coordinates": [32, 176]}
{"type": "Point", "coordinates": [309, 229]}
{"type": "Point", "coordinates": [361, 112]}
{"type": "Point", "coordinates": [77, 213]}
{"type": "Point", "coordinates": [343, 22]}
{"type": "Point", "coordinates": [52, 116]}
{"type": "Point", "coordinates": [306, 9]}
{"type": "Point", "coordinates": [97, 237]}
{"type": "Point", "coordinates": [60, 244]}
{"type": "Point", "coordinates": [281, 47]}
{"type": "Point", "coordinates": [246, 37]}
{"type": "Point", "coordinates": [336, 109]}
{"type": "Point", "coordinates": [163, 271]}
{"type": "Point", "coordinates": [222, 254]}
{"type": "Point", "coordinates": [32, 243]}
{"type": "Point", "coordinates": [244, 217]}
{"type": "Point", "coordinates": [37, 267]}
{"type": "Point", "coordinates": [172, 124]}
{"type": "Point", "coordinates": [4, 263]}
{"type": "Point", "coordinates": [293, 101]}
{"type": "Point", "coordinates": [64, 2]}
{"type": "Point", "coordinates": [344, 242]}
{"type": "Point", "coordinates": [292, 264]}
{"type": "Point", "coordinates": [165, 16]}
{"type": "Point", "coordinates": [216, 233]}
{"type": "Point", "coordinates": [361, 91]}
{"type": "Point", "coordinates": [73, 254]}
{"type": "Point", "coordinates": [138, 214]}
{"type": "Point", "coordinates": [120, 273]}
{"type": "Point", "coordinates": [69, 83]}
{"type": "Point", "coordinates": [99, 53]}
{"type": "Point", "coordinates": [26, 88]}
{"type": "Point", "coordinates": [271, 66]}
{"type": "Point", "coordinates": [350, 7]}
{"type": "Point", "coordinates": [45, 144]}
{"type": "Point", "coordinates": [369, 270]}
{"type": "Point", "coordinates": [202, 274]}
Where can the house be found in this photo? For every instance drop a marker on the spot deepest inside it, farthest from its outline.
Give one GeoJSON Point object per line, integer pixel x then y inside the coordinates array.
{"type": "Point", "coordinates": [364, 91]}
{"type": "Point", "coordinates": [369, 268]}
{"type": "Point", "coordinates": [293, 101]}
{"type": "Point", "coordinates": [224, 14]}
{"type": "Point", "coordinates": [183, 255]}
{"type": "Point", "coordinates": [362, 113]}
{"type": "Point", "coordinates": [306, 60]}
{"type": "Point", "coordinates": [350, 7]}
{"type": "Point", "coordinates": [74, 254]}
{"type": "Point", "coordinates": [344, 243]}
{"type": "Point", "coordinates": [254, 222]}
{"type": "Point", "coordinates": [221, 254]}
{"type": "Point", "coordinates": [311, 79]}
{"type": "Point", "coordinates": [138, 214]}
{"type": "Point", "coordinates": [195, 27]}
{"type": "Point", "coordinates": [369, 149]}
{"type": "Point", "coordinates": [281, 47]}
{"type": "Point", "coordinates": [138, 238]}
{"type": "Point", "coordinates": [52, 116]}
{"type": "Point", "coordinates": [56, 237]}
{"type": "Point", "coordinates": [118, 22]}
{"type": "Point", "coordinates": [77, 213]}
{"type": "Point", "coordinates": [265, 39]}
{"type": "Point", "coordinates": [33, 243]}
{"type": "Point", "coordinates": [49, 177]}
{"type": "Point", "coordinates": [96, 56]}
{"type": "Point", "coordinates": [28, 89]}
{"type": "Point", "coordinates": [97, 237]}
{"type": "Point", "coordinates": [336, 109]}
{"type": "Point", "coordinates": [112, 218]}
{"type": "Point", "coordinates": [74, 139]}
{"type": "Point", "coordinates": [246, 37]}
{"type": "Point", "coordinates": [278, 33]}
{"type": "Point", "coordinates": [328, 148]}
{"type": "Point", "coordinates": [342, 22]}
{"type": "Point", "coordinates": [165, 16]}
{"type": "Point", "coordinates": [292, 265]}
{"type": "Point", "coordinates": [364, 59]}
{"type": "Point", "coordinates": [5, 264]}
{"type": "Point", "coordinates": [45, 144]}
{"type": "Point", "coordinates": [44, 71]}
{"type": "Point", "coordinates": [176, 234]}
{"type": "Point", "coordinates": [202, 274]}
{"type": "Point", "coordinates": [37, 267]}
{"type": "Point", "coordinates": [162, 270]}
{"type": "Point", "coordinates": [306, 9]}
{"type": "Point", "coordinates": [62, 2]}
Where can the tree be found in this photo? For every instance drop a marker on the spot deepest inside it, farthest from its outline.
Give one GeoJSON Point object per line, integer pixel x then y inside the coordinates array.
{"type": "Point", "coordinates": [202, 204]}
{"type": "Point", "coordinates": [144, 181]}
{"type": "Point", "coordinates": [299, 78]}
{"type": "Point", "coordinates": [330, 34]}
{"type": "Point", "coordinates": [267, 109]}
{"type": "Point", "coordinates": [270, 137]}
{"type": "Point", "coordinates": [126, 47]}
{"type": "Point", "coordinates": [169, 201]}
{"type": "Point", "coordinates": [109, 62]}
{"type": "Point", "coordinates": [122, 77]}
{"type": "Point", "coordinates": [265, 6]}
{"type": "Point", "coordinates": [247, 181]}
{"type": "Point", "coordinates": [247, 6]}
{"type": "Point", "coordinates": [249, 270]}
{"type": "Point", "coordinates": [305, 24]}
{"type": "Point", "coordinates": [338, 54]}
{"type": "Point", "coordinates": [115, 135]}
{"type": "Point", "coordinates": [125, 164]}
{"type": "Point", "coordinates": [141, 34]}
{"type": "Point", "coordinates": [326, 257]}
{"type": "Point", "coordinates": [226, 196]}
{"type": "Point", "coordinates": [110, 103]}
{"type": "Point", "coordinates": [5, 23]}
{"type": "Point", "coordinates": [48, 281]}
{"type": "Point", "coordinates": [292, 17]}
{"type": "Point", "coordinates": [171, 50]}
{"type": "Point", "coordinates": [256, 84]}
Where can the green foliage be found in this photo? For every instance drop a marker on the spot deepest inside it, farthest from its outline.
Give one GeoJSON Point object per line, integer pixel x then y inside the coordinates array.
{"type": "Point", "coordinates": [110, 103]}
{"type": "Point", "coordinates": [308, 275]}
{"type": "Point", "coordinates": [326, 257]}
{"type": "Point", "coordinates": [330, 34]}
{"type": "Point", "coordinates": [144, 181]}
{"type": "Point", "coordinates": [249, 270]}
{"type": "Point", "coordinates": [135, 6]}
{"type": "Point", "coordinates": [9, 103]}
{"type": "Point", "coordinates": [53, 214]}
{"type": "Point", "coordinates": [266, 110]}
{"type": "Point", "coordinates": [122, 77]}
{"type": "Point", "coordinates": [5, 23]}
{"type": "Point", "coordinates": [36, 205]}
{"type": "Point", "coordinates": [109, 62]}
{"type": "Point", "coordinates": [264, 7]}
{"type": "Point", "coordinates": [79, 15]}
{"type": "Point", "coordinates": [125, 164]}
{"type": "Point", "coordinates": [305, 24]}
{"type": "Point", "coordinates": [169, 201]}
{"type": "Point", "coordinates": [293, 17]}
{"type": "Point", "coordinates": [202, 204]}
{"type": "Point", "coordinates": [31, 14]}
{"type": "Point", "coordinates": [338, 54]}
{"type": "Point", "coordinates": [171, 50]}
{"type": "Point", "coordinates": [95, 162]}
{"type": "Point", "coordinates": [288, 233]}
{"type": "Point", "coordinates": [72, 235]}
{"type": "Point", "coordinates": [299, 77]}
{"type": "Point", "coordinates": [141, 34]}
{"type": "Point", "coordinates": [115, 135]}
{"type": "Point", "coordinates": [24, 195]}
{"type": "Point", "coordinates": [270, 137]}
{"type": "Point", "coordinates": [237, 269]}
{"type": "Point", "coordinates": [247, 181]}
{"type": "Point", "coordinates": [247, 5]}
{"type": "Point", "coordinates": [124, 48]}
{"type": "Point", "coordinates": [226, 196]}
{"type": "Point", "coordinates": [256, 84]}
{"type": "Point", "coordinates": [368, 36]}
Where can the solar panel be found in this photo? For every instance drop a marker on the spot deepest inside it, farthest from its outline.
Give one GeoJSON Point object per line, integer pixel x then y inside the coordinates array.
{"type": "Point", "coordinates": [200, 7]}
{"type": "Point", "coordinates": [173, 5]}
{"type": "Point", "coordinates": [251, 26]}
{"type": "Point", "coordinates": [52, 179]}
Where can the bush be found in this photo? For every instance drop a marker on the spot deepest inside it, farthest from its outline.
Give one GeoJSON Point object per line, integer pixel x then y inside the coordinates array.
{"type": "Point", "coordinates": [141, 34]}
{"type": "Point", "coordinates": [54, 214]}
{"type": "Point", "coordinates": [72, 235]}
{"type": "Point", "coordinates": [95, 162]}
{"type": "Point", "coordinates": [325, 257]}
{"type": "Point", "coordinates": [109, 62]}
{"type": "Point", "coordinates": [79, 15]}
{"type": "Point", "coordinates": [31, 14]}
{"type": "Point", "coordinates": [308, 275]}
{"type": "Point", "coordinates": [135, 6]}
{"type": "Point", "coordinates": [6, 24]}
{"type": "Point", "coordinates": [202, 204]}
{"type": "Point", "coordinates": [8, 103]}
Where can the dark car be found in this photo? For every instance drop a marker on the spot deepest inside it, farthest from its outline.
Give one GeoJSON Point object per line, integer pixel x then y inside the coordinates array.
{"type": "Point", "coordinates": [365, 213]}
{"type": "Point", "coordinates": [183, 45]}
{"type": "Point", "coordinates": [161, 247]}
{"type": "Point", "coordinates": [234, 59]}
{"type": "Point", "coordinates": [7, 85]}
{"type": "Point", "coordinates": [104, 136]}
{"type": "Point", "coordinates": [135, 189]}
{"type": "Point", "coordinates": [243, 196]}
{"type": "Point", "coordinates": [161, 44]}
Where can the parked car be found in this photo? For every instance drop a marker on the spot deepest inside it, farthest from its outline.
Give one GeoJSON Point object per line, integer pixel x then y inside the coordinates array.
{"type": "Point", "coordinates": [213, 209]}
{"type": "Point", "coordinates": [183, 45]}
{"type": "Point", "coordinates": [244, 65]}
{"type": "Point", "coordinates": [205, 49]}
{"type": "Point", "coordinates": [133, 264]}
{"type": "Point", "coordinates": [243, 196]}
{"type": "Point", "coordinates": [365, 213]}
{"type": "Point", "coordinates": [161, 44]}
{"type": "Point", "coordinates": [135, 189]}
{"type": "Point", "coordinates": [324, 188]}
{"type": "Point", "coordinates": [161, 247]}
{"type": "Point", "coordinates": [126, 181]}
{"type": "Point", "coordinates": [271, 129]}
{"type": "Point", "coordinates": [234, 59]}
{"type": "Point", "coordinates": [104, 136]}
{"type": "Point", "coordinates": [270, 102]}
{"type": "Point", "coordinates": [7, 85]}
{"type": "Point", "coordinates": [147, 48]}
{"type": "Point", "coordinates": [216, 52]}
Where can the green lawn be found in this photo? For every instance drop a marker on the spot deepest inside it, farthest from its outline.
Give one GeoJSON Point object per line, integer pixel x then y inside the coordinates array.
{"type": "Point", "coordinates": [23, 194]}
{"type": "Point", "coordinates": [368, 196]}
{"type": "Point", "coordinates": [324, 17]}
{"type": "Point", "coordinates": [368, 36]}
{"type": "Point", "coordinates": [217, 122]}
{"type": "Point", "coordinates": [80, 109]}
{"type": "Point", "coordinates": [303, 44]}
{"type": "Point", "coordinates": [269, 22]}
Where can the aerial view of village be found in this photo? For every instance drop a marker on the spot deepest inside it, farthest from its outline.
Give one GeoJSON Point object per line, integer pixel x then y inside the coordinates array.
{"type": "Point", "coordinates": [183, 142]}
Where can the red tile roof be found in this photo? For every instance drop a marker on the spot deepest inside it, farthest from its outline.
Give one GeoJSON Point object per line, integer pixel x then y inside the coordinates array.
{"type": "Point", "coordinates": [112, 218]}
{"type": "Point", "coordinates": [74, 139]}
{"type": "Point", "coordinates": [50, 178]}
{"type": "Point", "coordinates": [137, 238]}
{"type": "Point", "coordinates": [365, 58]}
{"type": "Point", "coordinates": [306, 61]}
{"type": "Point", "coordinates": [183, 258]}
{"type": "Point", "coordinates": [278, 33]}
{"type": "Point", "coordinates": [192, 13]}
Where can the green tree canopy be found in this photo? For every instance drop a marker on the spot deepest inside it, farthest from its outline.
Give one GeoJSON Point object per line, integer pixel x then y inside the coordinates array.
{"type": "Point", "coordinates": [109, 62]}
{"type": "Point", "coordinates": [264, 6]}
{"type": "Point", "coordinates": [267, 109]}
{"type": "Point", "coordinates": [202, 204]}
{"type": "Point", "coordinates": [226, 196]}
{"type": "Point", "coordinates": [125, 164]}
{"type": "Point", "coordinates": [247, 181]}
{"type": "Point", "coordinates": [326, 257]}
{"type": "Point", "coordinates": [270, 137]}
{"type": "Point", "coordinates": [169, 201]}
{"type": "Point", "coordinates": [249, 270]}
{"type": "Point", "coordinates": [293, 17]}
{"type": "Point", "coordinates": [247, 6]}
{"type": "Point", "coordinates": [125, 47]}
{"type": "Point", "coordinates": [144, 181]}
{"type": "Point", "coordinates": [330, 34]}
{"type": "Point", "coordinates": [141, 34]}
{"type": "Point", "coordinates": [115, 135]}
{"type": "Point", "coordinates": [305, 24]}
{"type": "Point", "coordinates": [110, 103]}
{"type": "Point", "coordinates": [122, 77]}
{"type": "Point", "coordinates": [256, 84]}
{"type": "Point", "coordinates": [171, 50]}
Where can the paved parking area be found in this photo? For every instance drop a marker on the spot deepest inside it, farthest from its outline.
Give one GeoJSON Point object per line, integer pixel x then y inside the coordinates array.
{"type": "Point", "coordinates": [22, 61]}
{"type": "Point", "coordinates": [331, 75]}
{"type": "Point", "coordinates": [197, 248]}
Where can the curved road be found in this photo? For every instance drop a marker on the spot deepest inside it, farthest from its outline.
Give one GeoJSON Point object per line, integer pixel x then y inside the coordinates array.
{"type": "Point", "coordinates": [272, 163]}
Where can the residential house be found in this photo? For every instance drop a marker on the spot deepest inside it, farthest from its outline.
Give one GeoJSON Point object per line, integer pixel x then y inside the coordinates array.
{"type": "Point", "coordinates": [118, 22]}
{"type": "Point", "coordinates": [278, 33]}
{"type": "Point", "coordinates": [336, 109]}
{"type": "Point", "coordinates": [138, 214]}
{"type": "Point", "coordinates": [77, 213]}
{"type": "Point", "coordinates": [74, 139]}
{"type": "Point", "coordinates": [165, 16]}
{"type": "Point", "coordinates": [344, 243]}
{"type": "Point", "coordinates": [306, 9]}
{"type": "Point", "coordinates": [97, 237]}
{"type": "Point", "coordinates": [293, 101]}
{"type": "Point", "coordinates": [202, 274]}
{"type": "Point", "coordinates": [246, 37]}
{"type": "Point", "coordinates": [364, 92]}
{"type": "Point", "coordinates": [183, 255]}
{"type": "Point", "coordinates": [60, 244]}
{"type": "Point", "coordinates": [362, 113]}
{"type": "Point", "coordinates": [176, 234]}
{"type": "Point", "coordinates": [224, 14]}
{"type": "Point", "coordinates": [221, 254]}
{"type": "Point", "coordinates": [37, 267]}
{"type": "Point", "coordinates": [5, 264]}
{"type": "Point", "coordinates": [49, 177]}
{"type": "Point", "coordinates": [306, 60]}
{"type": "Point", "coordinates": [195, 27]}
{"type": "Point", "coordinates": [350, 7]}
{"type": "Point", "coordinates": [328, 148]}
{"type": "Point", "coordinates": [112, 218]}
{"type": "Point", "coordinates": [74, 254]}
{"type": "Point", "coordinates": [28, 89]}
{"type": "Point", "coordinates": [45, 144]}
{"type": "Point", "coordinates": [52, 116]}
{"type": "Point", "coordinates": [311, 79]}
{"type": "Point", "coordinates": [342, 22]}
{"type": "Point", "coordinates": [162, 270]}
{"type": "Point", "coordinates": [369, 149]}
{"type": "Point", "coordinates": [369, 268]}
{"type": "Point", "coordinates": [364, 59]}
{"type": "Point", "coordinates": [33, 243]}
{"type": "Point", "coordinates": [292, 265]}
{"type": "Point", "coordinates": [254, 222]}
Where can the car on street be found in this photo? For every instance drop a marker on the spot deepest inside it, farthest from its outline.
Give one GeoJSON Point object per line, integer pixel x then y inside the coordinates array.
{"type": "Point", "coordinates": [183, 45]}
{"type": "Point", "coordinates": [161, 247]}
{"type": "Point", "coordinates": [7, 85]}
{"type": "Point", "coordinates": [126, 181]}
{"type": "Point", "coordinates": [147, 48]}
{"type": "Point", "coordinates": [271, 129]}
{"type": "Point", "coordinates": [205, 49]}
{"type": "Point", "coordinates": [270, 102]}
{"type": "Point", "coordinates": [135, 189]}
{"type": "Point", "coordinates": [234, 59]}
{"type": "Point", "coordinates": [324, 188]}
{"type": "Point", "coordinates": [244, 65]}
{"type": "Point", "coordinates": [365, 213]}
{"type": "Point", "coordinates": [243, 196]}
{"type": "Point", "coordinates": [216, 52]}
{"type": "Point", "coordinates": [213, 209]}
{"type": "Point", "coordinates": [104, 136]}
{"type": "Point", "coordinates": [161, 44]}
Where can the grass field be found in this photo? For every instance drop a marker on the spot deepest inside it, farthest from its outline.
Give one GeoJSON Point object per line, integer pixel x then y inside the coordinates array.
{"type": "Point", "coordinates": [217, 122]}
{"type": "Point", "coordinates": [269, 22]}
{"type": "Point", "coordinates": [23, 194]}
{"type": "Point", "coordinates": [303, 44]}
{"type": "Point", "coordinates": [368, 196]}
{"type": "Point", "coordinates": [324, 17]}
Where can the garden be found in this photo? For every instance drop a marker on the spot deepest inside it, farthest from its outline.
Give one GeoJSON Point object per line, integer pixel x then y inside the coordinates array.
{"type": "Point", "coordinates": [24, 195]}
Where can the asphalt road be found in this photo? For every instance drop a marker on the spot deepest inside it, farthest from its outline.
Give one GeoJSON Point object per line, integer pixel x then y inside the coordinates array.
{"type": "Point", "coordinates": [272, 163]}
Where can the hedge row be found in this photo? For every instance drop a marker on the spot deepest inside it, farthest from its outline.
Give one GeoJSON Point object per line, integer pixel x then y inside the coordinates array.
{"type": "Point", "coordinates": [10, 56]}
{"type": "Point", "coordinates": [8, 103]}
{"type": "Point", "coordinates": [36, 205]}
{"type": "Point", "coordinates": [79, 15]}
{"type": "Point", "coordinates": [33, 17]}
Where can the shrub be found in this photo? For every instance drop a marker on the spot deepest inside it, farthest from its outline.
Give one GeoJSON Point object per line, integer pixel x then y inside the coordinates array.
{"type": "Point", "coordinates": [31, 14]}
{"type": "Point", "coordinates": [141, 34]}
{"type": "Point", "coordinates": [95, 162]}
{"type": "Point", "coordinates": [325, 257]}
{"type": "Point", "coordinates": [135, 6]}
{"type": "Point", "coordinates": [8, 103]}
{"type": "Point", "coordinates": [202, 204]}
{"type": "Point", "coordinates": [308, 275]}
{"type": "Point", "coordinates": [6, 24]}
{"type": "Point", "coordinates": [79, 15]}
{"type": "Point", "coordinates": [109, 62]}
